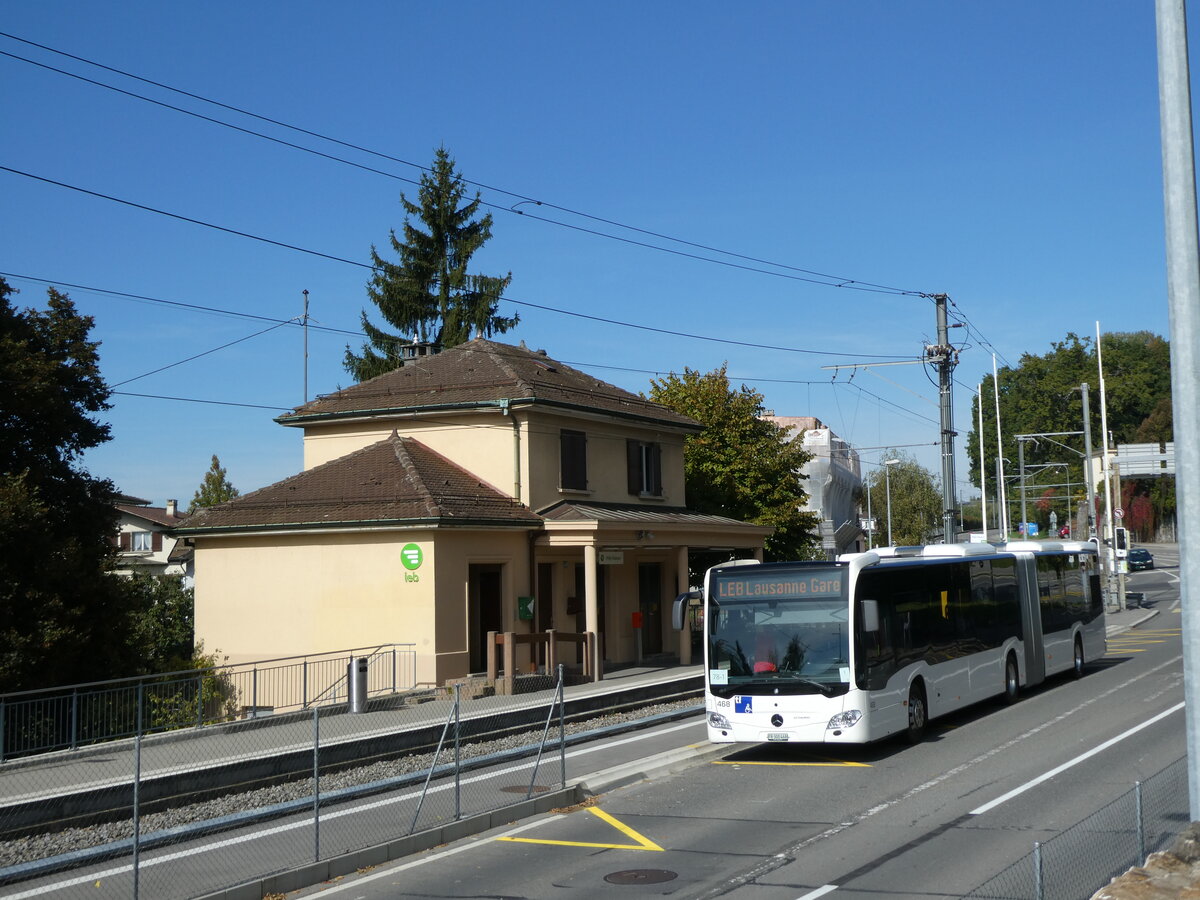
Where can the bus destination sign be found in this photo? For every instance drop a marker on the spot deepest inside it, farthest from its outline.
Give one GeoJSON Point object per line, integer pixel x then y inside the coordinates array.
{"type": "Point", "coordinates": [743, 585]}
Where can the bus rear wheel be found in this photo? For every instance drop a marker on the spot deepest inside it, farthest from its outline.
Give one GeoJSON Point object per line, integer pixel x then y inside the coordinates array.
{"type": "Point", "coordinates": [1012, 680]}
{"type": "Point", "coordinates": [918, 714]}
{"type": "Point", "coordinates": [1077, 668]}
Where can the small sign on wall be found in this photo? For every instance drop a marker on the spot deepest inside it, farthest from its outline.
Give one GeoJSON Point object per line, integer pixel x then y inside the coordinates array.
{"type": "Point", "coordinates": [411, 558]}
{"type": "Point", "coordinates": [611, 557]}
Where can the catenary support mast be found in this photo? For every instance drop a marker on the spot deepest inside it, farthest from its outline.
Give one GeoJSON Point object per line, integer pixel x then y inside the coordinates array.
{"type": "Point", "coordinates": [945, 358]}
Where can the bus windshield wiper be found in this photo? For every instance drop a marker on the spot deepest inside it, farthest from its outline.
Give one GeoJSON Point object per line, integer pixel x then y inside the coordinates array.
{"type": "Point", "coordinates": [824, 687]}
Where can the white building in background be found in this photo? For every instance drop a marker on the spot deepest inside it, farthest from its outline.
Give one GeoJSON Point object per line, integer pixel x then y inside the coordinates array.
{"type": "Point", "coordinates": [834, 479]}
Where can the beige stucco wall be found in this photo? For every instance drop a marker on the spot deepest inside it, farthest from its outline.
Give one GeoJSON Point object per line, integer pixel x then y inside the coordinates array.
{"type": "Point", "coordinates": [271, 596]}
{"type": "Point", "coordinates": [483, 444]}
{"type": "Point", "coordinates": [607, 465]}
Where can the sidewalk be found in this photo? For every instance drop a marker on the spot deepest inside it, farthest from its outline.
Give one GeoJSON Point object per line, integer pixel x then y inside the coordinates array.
{"type": "Point", "coordinates": [1125, 619]}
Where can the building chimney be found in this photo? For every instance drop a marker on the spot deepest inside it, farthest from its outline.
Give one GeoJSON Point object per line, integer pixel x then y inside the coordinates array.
{"type": "Point", "coordinates": [172, 507]}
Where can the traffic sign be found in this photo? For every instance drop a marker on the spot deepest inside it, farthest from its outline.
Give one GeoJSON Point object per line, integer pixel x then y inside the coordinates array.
{"type": "Point", "coordinates": [1119, 513]}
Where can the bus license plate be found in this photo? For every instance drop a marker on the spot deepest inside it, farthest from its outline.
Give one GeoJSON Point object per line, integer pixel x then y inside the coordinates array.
{"type": "Point", "coordinates": [773, 736]}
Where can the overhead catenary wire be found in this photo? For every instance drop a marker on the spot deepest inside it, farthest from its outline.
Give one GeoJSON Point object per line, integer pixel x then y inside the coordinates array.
{"type": "Point", "coordinates": [805, 274]}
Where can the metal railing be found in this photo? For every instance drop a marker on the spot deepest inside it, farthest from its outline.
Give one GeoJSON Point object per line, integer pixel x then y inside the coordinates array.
{"type": "Point", "coordinates": [1085, 857]}
{"type": "Point", "coordinates": [475, 755]}
{"type": "Point", "coordinates": [66, 718]}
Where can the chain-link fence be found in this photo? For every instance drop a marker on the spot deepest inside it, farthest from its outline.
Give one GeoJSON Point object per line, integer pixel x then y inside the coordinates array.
{"type": "Point", "coordinates": [78, 715]}
{"type": "Point", "coordinates": [1082, 859]}
{"type": "Point", "coordinates": [190, 813]}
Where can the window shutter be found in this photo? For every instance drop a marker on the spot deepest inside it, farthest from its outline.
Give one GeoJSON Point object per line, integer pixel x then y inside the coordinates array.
{"type": "Point", "coordinates": [633, 456]}
{"type": "Point", "coordinates": [156, 541]}
{"type": "Point", "coordinates": [126, 539]}
{"type": "Point", "coordinates": [655, 479]}
{"type": "Point", "coordinates": [573, 460]}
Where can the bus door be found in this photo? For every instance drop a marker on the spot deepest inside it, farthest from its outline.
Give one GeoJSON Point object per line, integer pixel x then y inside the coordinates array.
{"type": "Point", "coordinates": [1031, 619]}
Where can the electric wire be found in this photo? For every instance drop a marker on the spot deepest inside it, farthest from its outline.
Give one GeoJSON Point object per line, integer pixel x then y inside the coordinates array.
{"type": "Point", "coordinates": [816, 277]}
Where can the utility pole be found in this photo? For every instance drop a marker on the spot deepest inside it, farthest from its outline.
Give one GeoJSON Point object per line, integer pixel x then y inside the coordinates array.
{"type": "Point", "coordinates": [945, 358]}
{"type": "Point", "coordinates": [1087, 463]}
{"type": "Point", "coordinates": [1183, 295]}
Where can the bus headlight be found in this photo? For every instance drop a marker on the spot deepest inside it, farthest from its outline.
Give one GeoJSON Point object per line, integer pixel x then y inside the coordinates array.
{"type": "Point", "coordinates": [716, 720]}
{"type": "Point", "coordinates": [845, 719]}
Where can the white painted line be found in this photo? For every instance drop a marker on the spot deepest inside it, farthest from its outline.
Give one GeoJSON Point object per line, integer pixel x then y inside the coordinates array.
{"type": "Point", "coordinates": [1074, 762]}
{"type": "Point", "coordinates": [819, 892]}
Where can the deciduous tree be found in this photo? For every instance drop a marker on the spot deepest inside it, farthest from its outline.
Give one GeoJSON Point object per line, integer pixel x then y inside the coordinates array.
{"type": "Point", "coordinates": [916, 501]}
{"type": "Point", "coordinates": [741, 465]}
{"type": "Point", "coordinates": [428, 295]}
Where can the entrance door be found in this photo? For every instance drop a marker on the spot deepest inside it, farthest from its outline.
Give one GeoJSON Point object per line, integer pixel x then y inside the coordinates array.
{"type": "Point", "coordinates": [649, 600]}
{"type": "Point", "coordinates": [485, 610]}
{"type": "Point", "coordinates": [650, 603]}
{"type": "Point", "coordinates": [543, 605]}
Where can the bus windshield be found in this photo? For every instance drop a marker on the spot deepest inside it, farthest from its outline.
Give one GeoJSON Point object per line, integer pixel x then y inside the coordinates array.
{"type": "Point", "coordinates": [774, 631]}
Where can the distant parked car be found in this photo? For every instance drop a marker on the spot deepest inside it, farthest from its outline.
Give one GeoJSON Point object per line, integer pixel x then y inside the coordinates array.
{"type": "Point", "coordinates": [1140, 558]}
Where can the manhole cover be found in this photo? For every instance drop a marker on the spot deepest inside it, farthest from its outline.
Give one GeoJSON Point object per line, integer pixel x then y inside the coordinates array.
{"type": "Point", "coordinates": [524, 789]}
{"type": "Point", "coordinates": [641, 876]}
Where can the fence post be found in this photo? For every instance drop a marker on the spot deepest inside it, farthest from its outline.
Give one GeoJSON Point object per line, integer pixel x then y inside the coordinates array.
{"type": "Point", "coordinates": [304, 684]}
{"type": "Point", "coordinates": [200, 700]}
{"type": "Point", "coordinates": [457, 753]}
{"type": "Point", "coordinates": [74, 718]}
{"type": "Point", "coordinates": [2, 717]}
{"type": "Point", "coordinates": [1037, 871]}
{"type": "Point", "coordinates": [316, 785]}
{"type": "Point", "coordinates": [1141, 825]}
{"type": "Point", "coordinates": [137, 786]}
{"type": "Point", "coordinates": [254, 693]}
{"type": "Point", "coordinates": [393, 668]}
{"type": "Point", "coordinates": [562, 729]}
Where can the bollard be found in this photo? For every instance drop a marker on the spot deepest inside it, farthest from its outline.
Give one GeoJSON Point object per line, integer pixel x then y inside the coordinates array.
{"type": "Point", "coordinates": [356, 684]}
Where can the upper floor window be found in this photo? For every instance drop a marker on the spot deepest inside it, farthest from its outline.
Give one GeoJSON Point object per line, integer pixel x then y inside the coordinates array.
{"type": "Point", "coordinates": [140, 541]}
{"type": "Point", "coordinates": [645, 468]}
{"type": "Point", "coordinates": [572, 451]}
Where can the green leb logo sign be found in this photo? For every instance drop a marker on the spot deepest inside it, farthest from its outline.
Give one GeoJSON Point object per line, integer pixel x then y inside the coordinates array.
{"type": "Point", "coordinates": [411, 556]}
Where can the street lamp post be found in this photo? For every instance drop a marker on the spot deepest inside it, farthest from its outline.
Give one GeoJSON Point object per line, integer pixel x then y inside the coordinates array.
{"type": "Point", "coordinates": [887, 477]}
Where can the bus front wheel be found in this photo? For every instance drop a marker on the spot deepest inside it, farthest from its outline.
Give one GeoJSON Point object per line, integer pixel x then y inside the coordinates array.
{"type": "Point", "coordinates": [918, 713]}
{"type": "Point", "coordinates": [1077, 668]}
{"type": "Point", "coordinates": [1012, 680]}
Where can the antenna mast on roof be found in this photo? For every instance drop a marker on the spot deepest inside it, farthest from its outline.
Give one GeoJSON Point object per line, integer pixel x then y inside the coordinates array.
{"type": "Point", "coordinates": [304, 322]}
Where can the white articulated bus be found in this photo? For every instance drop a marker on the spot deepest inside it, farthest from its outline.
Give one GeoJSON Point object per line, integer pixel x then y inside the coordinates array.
{"type": "Point", "coordinates": [879, 643]}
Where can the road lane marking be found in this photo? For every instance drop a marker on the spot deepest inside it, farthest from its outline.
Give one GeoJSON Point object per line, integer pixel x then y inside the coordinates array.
{"type": "Point", "coordinates": [640, 842]}
{"type": "Point", "coordinates": [1076, 761]}
{"type": "Point", "coordinates": [840, 763]}
{"type": "Point", "coordinates": [819, 892]}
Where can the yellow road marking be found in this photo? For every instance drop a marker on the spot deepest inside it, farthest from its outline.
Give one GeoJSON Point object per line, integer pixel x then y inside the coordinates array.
{"type": "Point", "coordinates": [641, 842]}
{"type": "Point", "coordinates": [842, 763]}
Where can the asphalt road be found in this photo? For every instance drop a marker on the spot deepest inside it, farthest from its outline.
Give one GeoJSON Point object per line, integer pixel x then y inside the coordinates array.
{"type": "Point", "coordinates": [934, 820]}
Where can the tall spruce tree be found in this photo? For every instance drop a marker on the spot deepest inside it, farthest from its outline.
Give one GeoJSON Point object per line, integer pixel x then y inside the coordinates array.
{"type": "Point", "coordinates": [215, 488]}
{"type": "Point", "coordinates": [428, 295]}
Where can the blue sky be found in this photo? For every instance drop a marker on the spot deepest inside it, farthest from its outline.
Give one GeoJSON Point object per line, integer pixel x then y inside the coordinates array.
{"type": "Point", "coordinates": [1006, 154]}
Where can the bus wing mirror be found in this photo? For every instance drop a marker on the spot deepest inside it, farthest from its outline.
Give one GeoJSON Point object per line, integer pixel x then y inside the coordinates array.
{"type": "Point", "coordinates": [679, 609]}
{"type": "Point", "coordinates": [870, 615]}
